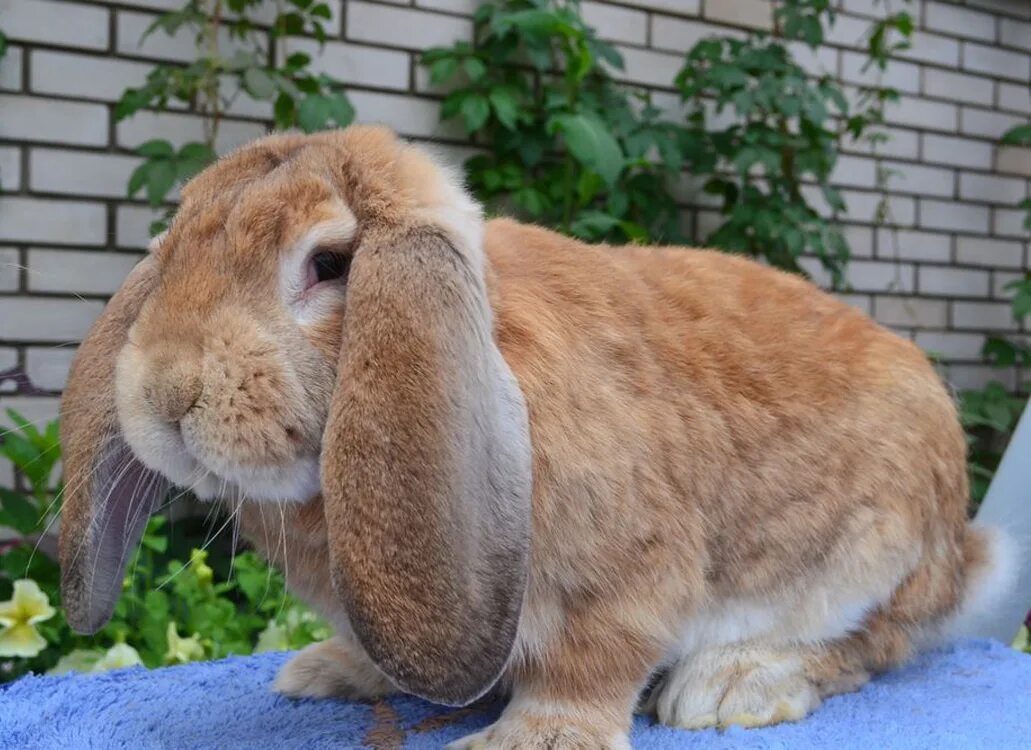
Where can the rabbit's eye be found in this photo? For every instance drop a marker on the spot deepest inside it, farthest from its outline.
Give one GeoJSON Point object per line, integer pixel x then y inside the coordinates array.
{"type": "Point", "coordinates": [328, 266]}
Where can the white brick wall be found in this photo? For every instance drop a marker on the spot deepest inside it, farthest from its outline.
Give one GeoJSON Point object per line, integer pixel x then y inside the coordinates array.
{"type": "Point", "coordinates": [64, 163]}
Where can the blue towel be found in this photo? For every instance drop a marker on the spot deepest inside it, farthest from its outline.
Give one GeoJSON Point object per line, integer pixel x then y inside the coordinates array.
{"type": "Point", "coordinates": [975, 694]}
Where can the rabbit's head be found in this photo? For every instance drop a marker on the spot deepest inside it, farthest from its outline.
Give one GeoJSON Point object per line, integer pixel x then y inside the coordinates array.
{"type": "Point", "coordinates": [316, 321]}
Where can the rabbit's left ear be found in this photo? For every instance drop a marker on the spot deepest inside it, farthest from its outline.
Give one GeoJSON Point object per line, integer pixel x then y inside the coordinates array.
{"type": "Point", "coordinates": [426, 472]}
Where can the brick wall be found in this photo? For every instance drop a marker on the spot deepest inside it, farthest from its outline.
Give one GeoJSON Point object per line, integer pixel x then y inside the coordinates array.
{"type": "Point", "coordinates": [68, 235]}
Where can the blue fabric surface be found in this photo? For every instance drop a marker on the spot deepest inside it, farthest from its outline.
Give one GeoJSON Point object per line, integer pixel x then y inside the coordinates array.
{"type": "Point", "coordinates": [975, 694]}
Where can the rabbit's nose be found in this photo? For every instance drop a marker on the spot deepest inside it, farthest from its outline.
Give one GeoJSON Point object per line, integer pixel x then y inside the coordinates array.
{"type": "Point", "coordinates": [175, 388]}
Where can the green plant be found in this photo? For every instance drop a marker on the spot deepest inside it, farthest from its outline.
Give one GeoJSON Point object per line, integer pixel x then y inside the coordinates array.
{"type": "Point", "coordinates": [170, 611]}
{"type": "Point", "coordinates": [564, 145]}
{"type": "Point", "coordinates": [990, 414]}
{"type": "Point", "coordinates": [786, 132]}
{"type": "Point", "coordinates": [258, 64]}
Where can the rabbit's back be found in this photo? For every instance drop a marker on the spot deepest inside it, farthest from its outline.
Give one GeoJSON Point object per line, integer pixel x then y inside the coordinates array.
{"type": "Point", "coordinates": [700, 413]}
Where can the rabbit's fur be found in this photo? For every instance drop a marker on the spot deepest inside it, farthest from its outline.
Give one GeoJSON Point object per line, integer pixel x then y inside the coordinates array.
{"type": "Point", "coordinates": [746, 495]}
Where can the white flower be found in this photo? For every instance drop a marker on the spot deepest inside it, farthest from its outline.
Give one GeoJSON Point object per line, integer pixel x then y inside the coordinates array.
{"type": "Point", "coordinates": [117, 657]}
{"type": "Point", "coordinates": [182, 650]}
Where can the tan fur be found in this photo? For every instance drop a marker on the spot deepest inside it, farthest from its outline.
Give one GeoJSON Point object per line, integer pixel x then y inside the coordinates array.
{"type": "Point", "coordinates": [735, 476]}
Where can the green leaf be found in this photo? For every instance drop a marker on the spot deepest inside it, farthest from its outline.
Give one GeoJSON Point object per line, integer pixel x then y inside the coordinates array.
{"type": "Point", "coordinates": [19, 511]}
{"type": "Point", "coordinates": [475, 110]}
{"type": "Point", "coordinates": [313, 113]}
{"type": "Point", "coordinates": [159, 181]}
{"type": "Point", "coordinates": [259, 83]}
{"type": "Point", "coordinates": [474, 68]}
{"type": "Point", "coordinates": [157, 148]}
{"type": "Point", "coordinates": [1018, 136]}
{"type": "Point", "coordinates": [340, 109]}
{"type": "Point", "coordinates": [592, 144]}
{"type": "Point", "coordinates": [505, 106]}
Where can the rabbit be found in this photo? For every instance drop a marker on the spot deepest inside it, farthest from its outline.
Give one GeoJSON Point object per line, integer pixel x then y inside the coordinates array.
{"type": "Point", "coordinates": [595, 479]}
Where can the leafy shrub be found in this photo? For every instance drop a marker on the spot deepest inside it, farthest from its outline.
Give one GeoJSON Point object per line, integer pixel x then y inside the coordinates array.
{"type": "Point", "coordinates": [990, 414]}
{"type": "Point", "coordinates": [260, 66]}
{"type": "Point", "coordinates": [174, 606]}
{"type": "Point", "coordinates": [564, 145]}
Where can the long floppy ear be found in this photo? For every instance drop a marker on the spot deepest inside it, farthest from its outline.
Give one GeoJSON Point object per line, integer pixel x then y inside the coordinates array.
{"type": "Point", "coordinates": [426, 468]}
{"type": "Point", "coordinates": [109, 494]}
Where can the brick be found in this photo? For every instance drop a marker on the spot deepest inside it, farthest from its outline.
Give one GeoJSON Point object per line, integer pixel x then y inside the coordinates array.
{"type": "Point", "coordinates": [11, 69]}
{"type": "Point", "coordinates": [920, 179]}
{"type": "Point", "coordinates": [908, 244]}
{"type": "Point", "coordinates": [754, 14]}
{"type": "Point", "coordinates": [911, 311]}
{"type": "Point", "coordinates": [358, 64]}
{"type": "Point", "coordinates": [956, 217]}
{"type": "Point", "coordinates": [1001, 281]}
{"type": "Point", "coordinates": [464, 7]}
{"type": "Point", "coordinates": [880, 276]}
{"type": "Point", "coordinates": [10, 168]}
{"type": "Point", "coordinates": [48, 368]}
{"type": "Point", "coordinates": [32, 118]}
{"type": "Point", "coordinates": [1016, 34]}
{"type": "Point", "coordinates": [84, 76]}
{"type": "Point", "coordinates": [1009, 222]}
{"type": "Point", "coordinates": [10, 271]}
{"type": "Point", "coordinates": [923, 113]}
{"type": "Point", "coordinates": [932, 48]}
{"type": "Point", "coordinates": [991, 316]}
{"type": "Point", "coordinates": [855, 171]}
{"type": "Point", "coordinates": [862, 302]}
{"type": "Point", "coordinates": [132, 226]}
{"type": "Point", "coordinates": [848, 31]}
{"type": "Point", "coordinates": [948, 84]}
{"type": "Point", "coordinates": [403, 27]}
{"type": "Point", "coordinates": [976, 377]}
{"type": "Point", "coordinates": [951, 345]}
{"type": "Point", "coordinates": [180, 47]}
{"type": "Point", "coordinates": [1013, 160]}
{"type": "Point", "coordinates": [995, 62]}
{"type": "Point", "coordinates": [46, 319]}
{"type": "Point", "coordinates": [679, 36]}
{"type": "Point", "coordinates": [48, 22]}
{"type": "Point", "coordinates": [52, 221]}
{"type": "Point", "coordinates": [900, 75]}
{"type": "Point", "coordinates": [953, 282]}
{"type": "Point", "coordinates": [984, 251]}
{"type": "Point", "coordinates": [992, 188]}
{"type": "Point", "coordinates": [960, 152]}
{"type": "Point", "coordinates": [863, 206]}
{"type": "Point", "coordinates": [1005, 7]}
{"type": "Point", "coordinates": [180, 128]}
{"type": "Point", "coordinates": [39, 410]}
{"type": "Point", "coordinates": [80, 173]}
{"type": "Point", "coordinates": [986, 123]}
{"type": "Point", "coordinates": [859, 239]}
{"type": "Point", "coordinates": [958, 21]}
{"type": "Point", "coordinates": [616, 24]}
{"type": "Point", "coordinates": [901, 144]}
{"type": "Point", "coordinates": [816, 62]}
{"type": "Point", "coordinates": [648, 67]}
{"type": "Point", "coordinates": [78, 272]}
{"type": "Point", "coordinates": [408, 115]}
{"type": "Point", "coordinates": [677, 7]}
{"type": "Point", "coordinates": [1015, 97]}
{"type": "Point", "coordinates": [816, 271]}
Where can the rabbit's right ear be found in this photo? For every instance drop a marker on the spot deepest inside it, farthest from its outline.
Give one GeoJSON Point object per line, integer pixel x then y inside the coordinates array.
{"type": "Point", "coordinates": [108, 493]}
{"type": "Point", "coordinates": [426, 472]}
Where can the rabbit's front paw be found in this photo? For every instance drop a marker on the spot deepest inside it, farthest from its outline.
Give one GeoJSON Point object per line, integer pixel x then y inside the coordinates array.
{"type": "Point", "coordinates": [332, 669]}
{"type": "Point", "coordinates": [523, 731]}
